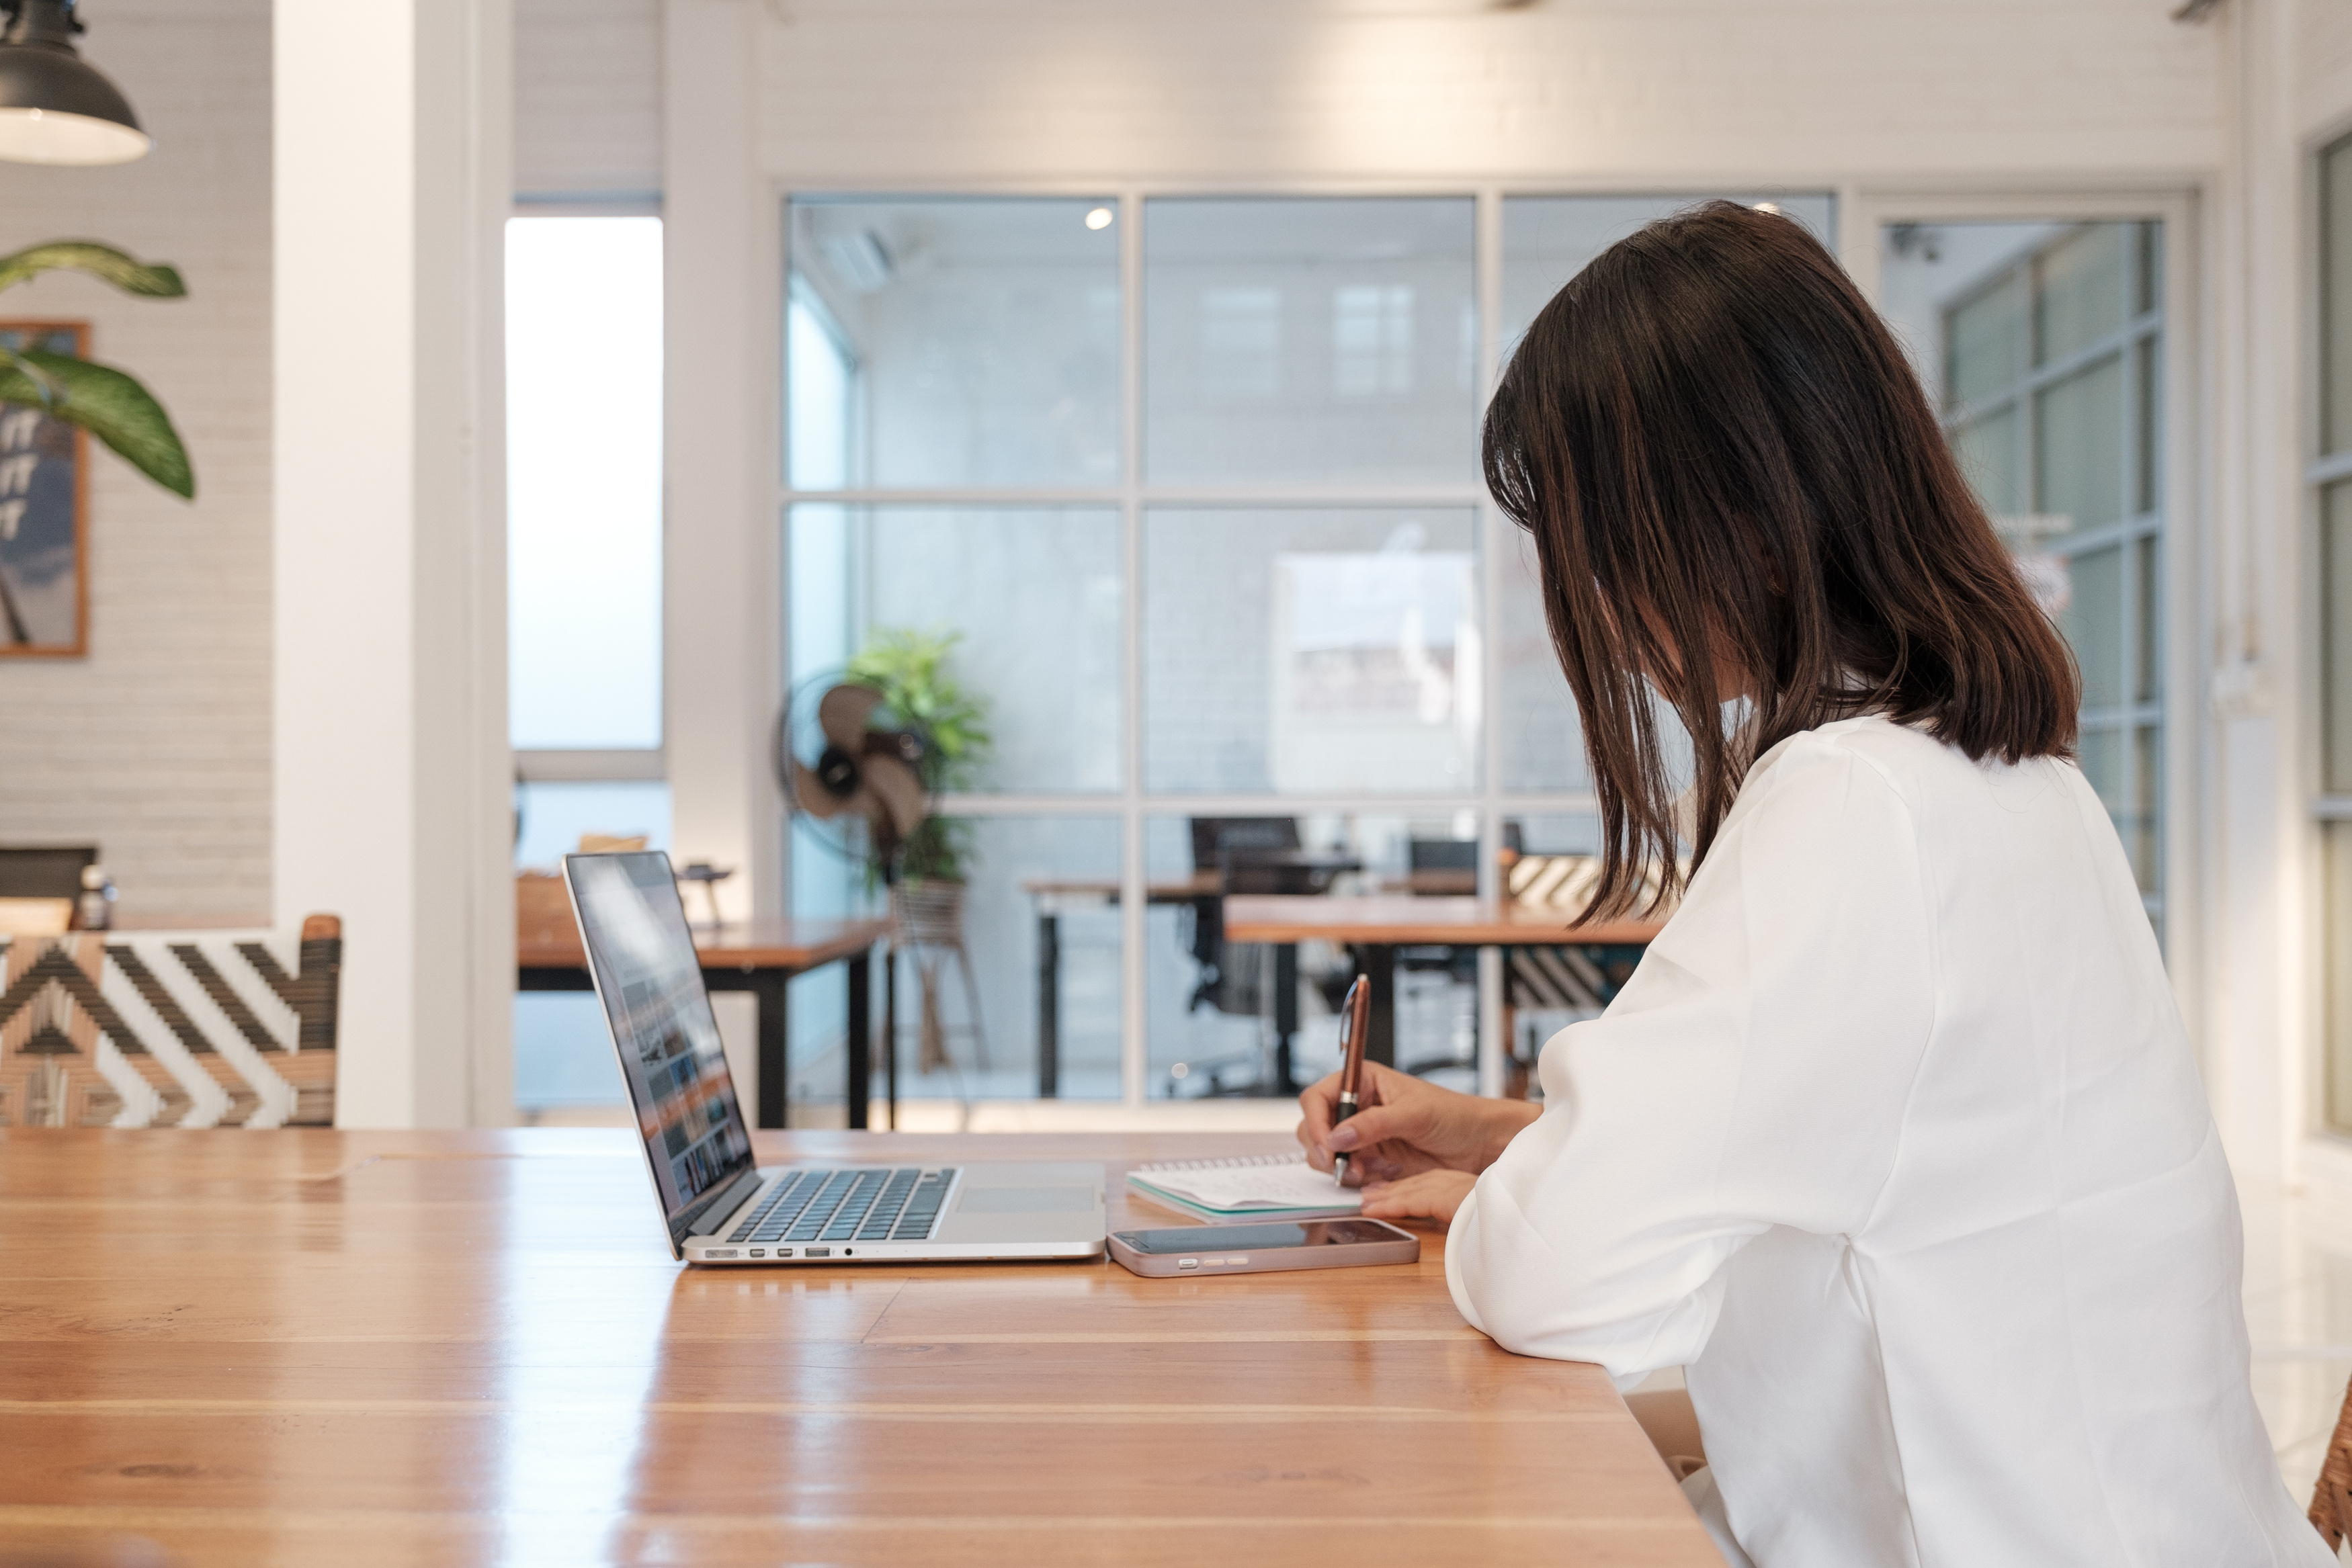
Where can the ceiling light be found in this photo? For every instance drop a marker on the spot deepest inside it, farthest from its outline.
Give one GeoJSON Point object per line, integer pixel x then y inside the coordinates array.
{"type": "Point", "coordinates": [1771, 207]}
{"type": "Point", "coordinates": [1099, 218]}
{"type": "Point", "coordinates": [55, 108]}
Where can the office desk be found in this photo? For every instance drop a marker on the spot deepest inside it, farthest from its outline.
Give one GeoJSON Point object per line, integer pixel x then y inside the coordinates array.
{"type": "Point", "coordinates": [363, 1349]}
{"type": "Point", "coordinates": [1376, 926]}
{"type": "Point", "coordinates": [760, 957]}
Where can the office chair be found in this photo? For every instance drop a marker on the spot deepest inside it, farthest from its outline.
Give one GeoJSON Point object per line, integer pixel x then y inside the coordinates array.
{"type": "Point", "coordinates": [1250, 855]}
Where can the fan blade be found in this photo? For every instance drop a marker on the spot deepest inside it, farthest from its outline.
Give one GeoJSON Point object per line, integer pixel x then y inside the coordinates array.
{"type": "Point", "coordinates": [900, 790]}
{"type": "Point", "coordinates": [842, 714]}
{"type": "Point", "coordinates": [811, 796]}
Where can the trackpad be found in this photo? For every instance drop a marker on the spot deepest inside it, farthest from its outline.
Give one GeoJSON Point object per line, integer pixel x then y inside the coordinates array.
{"type": "Point", "coordinates": [1028, 1201]}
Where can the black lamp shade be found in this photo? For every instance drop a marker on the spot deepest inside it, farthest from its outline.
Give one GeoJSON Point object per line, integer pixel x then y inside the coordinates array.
{"type": "Point", "coordinates": [55, 108]}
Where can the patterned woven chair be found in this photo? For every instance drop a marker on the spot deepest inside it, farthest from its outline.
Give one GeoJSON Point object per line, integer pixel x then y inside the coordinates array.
{"type": "Point", "coordinates": [206, 1029]}
{"type": "Point", "coordinates": [2331, 1499]}
{"type": "Point", "coordinates": [1581, 978]}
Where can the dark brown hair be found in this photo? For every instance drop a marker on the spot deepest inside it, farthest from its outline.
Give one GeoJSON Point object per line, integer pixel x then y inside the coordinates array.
{"type": "Point", "coordinates": [1723, 455]}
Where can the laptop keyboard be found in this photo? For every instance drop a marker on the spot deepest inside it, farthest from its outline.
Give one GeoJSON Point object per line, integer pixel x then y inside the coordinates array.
{"type": "Point", "coordinates": [870, 1203]}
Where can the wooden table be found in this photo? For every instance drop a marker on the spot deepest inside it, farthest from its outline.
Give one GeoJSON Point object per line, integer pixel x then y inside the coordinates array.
{"type": "Point", "coordinates": [759, 957]}
{"type": "Point", "coordinates": [425, 1349]}
{"type": "Point", "coordinates": [1375, 926]}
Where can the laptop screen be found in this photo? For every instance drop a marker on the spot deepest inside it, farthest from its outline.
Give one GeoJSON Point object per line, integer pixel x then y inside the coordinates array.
{"type": "Point", "coordinates": [635, 929]}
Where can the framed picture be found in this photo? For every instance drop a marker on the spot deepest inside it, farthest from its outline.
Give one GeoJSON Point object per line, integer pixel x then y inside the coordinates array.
{"type": "Point", "coordinates": [44, 515]}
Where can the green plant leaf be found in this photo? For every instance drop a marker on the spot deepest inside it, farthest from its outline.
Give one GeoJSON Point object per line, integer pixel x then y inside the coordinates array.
{"type": "Point", "coordinates": [103, 262]}
{"type": "Point", "coordinates": [106, 402]}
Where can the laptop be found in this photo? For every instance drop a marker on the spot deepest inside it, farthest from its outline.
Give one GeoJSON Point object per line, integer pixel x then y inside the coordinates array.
{"type": "Point", "coordinates": [723, 1208]}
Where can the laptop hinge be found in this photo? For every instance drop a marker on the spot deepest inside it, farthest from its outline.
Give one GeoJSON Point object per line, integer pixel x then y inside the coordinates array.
{"type": "Point", "coordinates": [738, 1192]}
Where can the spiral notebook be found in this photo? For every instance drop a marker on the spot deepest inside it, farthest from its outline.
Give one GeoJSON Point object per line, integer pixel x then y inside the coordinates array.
{"type": "Point", "coordinates": [1253, 1186]}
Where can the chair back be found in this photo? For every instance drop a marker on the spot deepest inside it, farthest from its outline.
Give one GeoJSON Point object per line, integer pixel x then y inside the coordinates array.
{"type": "Point", "coordinates": [44, 871]}
{"type": "Point", "coordinates": [151, 1029]}
{"type": "Point", "coordinates": [2331, 1499]}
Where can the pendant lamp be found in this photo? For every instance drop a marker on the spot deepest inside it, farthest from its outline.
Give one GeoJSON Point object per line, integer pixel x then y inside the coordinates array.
{"type": "Point", "coordinates": [55, 108]}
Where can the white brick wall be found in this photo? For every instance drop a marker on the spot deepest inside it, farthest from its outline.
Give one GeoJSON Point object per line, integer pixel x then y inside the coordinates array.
{"type": "Point", "coordinates": [1622, 91]}
{"type": "Point", "coordinates": [587, 95]}
{"type": "Point", "coordinates": [156, 746]}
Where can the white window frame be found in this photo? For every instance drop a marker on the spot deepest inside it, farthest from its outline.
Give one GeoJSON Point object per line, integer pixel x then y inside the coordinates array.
{"type": "Point", "coordinates": [1133, 495]}
{"type": "Point", "coordinates": [2184, 505]}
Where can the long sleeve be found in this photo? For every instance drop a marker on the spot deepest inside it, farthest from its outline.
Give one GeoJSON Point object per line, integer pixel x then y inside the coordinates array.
{"type": "Point", "coordinates": [1754, 1073]}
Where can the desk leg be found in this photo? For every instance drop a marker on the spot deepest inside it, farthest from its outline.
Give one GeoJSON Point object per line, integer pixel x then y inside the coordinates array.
{"type": "Point", "coordinates": [861, 1048]}
{"type": "Point", "coordinates": [1379, 1030]}
{"type": "Point", "coordinates": [861, 1029]}
{"type": "Point", "coordinates": [890, 1020]}
{"type": "Point", "coordinates": [1285, 1016]}
{"type": "Point", "coordinates": [1049, 1005]}
{"type": "Point", "coordinates": [775, 1057]}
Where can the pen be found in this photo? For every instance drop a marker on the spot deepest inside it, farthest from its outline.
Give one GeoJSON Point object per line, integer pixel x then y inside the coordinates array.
{"type": "Point", "coordinates": [1355, 1015]}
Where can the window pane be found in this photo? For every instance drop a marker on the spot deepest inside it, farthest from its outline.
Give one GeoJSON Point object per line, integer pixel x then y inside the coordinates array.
{"type": "Point", "coordinates": [2150, 573]}
{"type": "Point", "coordinates": [2145, 822]}
{"type": "Point", "coordinates": [2336, 675]}
{"type": "Point", "coordinates": [2149, 445]}
{"type": "Point", "coordinates": [1985, 341]}
{"type": "Point", "coordinates": [550, 817]}
{"type": "Point", "coordinates": [2101, 751]}
{"type": "Point", "coordinates": [1029, 599]}
{"type": "Point", "coordinates": [1304, 340]}
{"type": "Point", "coordinates": [2093, 621]}
{"type": "Point", "coordinates": [583, 309]}
{"type": "Point", "coordinates": [1214, 1006]}
{"type": "Point", "coordinates": [2336, 289]}
{"type": "Point", "coordinates": [2078, 446]}
{"type": "Point", "coordinates": [2337, 837]}
{"type": "Point", "coordinates": [1543, 744]}
{"type": "Point", "coordinates": [2081, 290]}
{"type": "Point", "coordinates": [954, 341]}
{"type": "Point", "coordinates": [562, 1055]}
{"type": "Point", "coordinates": [1312, 651]}
{"type": "Point", "coordinates": [1547, 240]}
{"type": "Point", "coordinates": [1987, 451]}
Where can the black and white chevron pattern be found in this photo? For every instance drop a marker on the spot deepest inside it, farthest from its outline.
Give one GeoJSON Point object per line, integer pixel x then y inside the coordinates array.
{"type": "Point", "coordinates": [188, 1030]}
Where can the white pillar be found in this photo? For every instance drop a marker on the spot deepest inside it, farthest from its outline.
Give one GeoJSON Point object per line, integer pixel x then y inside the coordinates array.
{"type": "Point", "coordinates": [721, 679]}
{"type": "Point", "coordinates": [2258, 1023]}
{"type": "Point", "coordinates": [392, 783]}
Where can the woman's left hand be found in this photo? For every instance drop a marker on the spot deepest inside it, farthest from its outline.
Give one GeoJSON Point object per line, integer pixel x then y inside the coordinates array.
{"type": "Point", "coordinates": [1431, 1194]}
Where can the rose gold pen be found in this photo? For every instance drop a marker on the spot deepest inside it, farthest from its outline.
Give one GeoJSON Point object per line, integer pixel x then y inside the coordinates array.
{"type": "Point", "coordinates": [1355, 1020]}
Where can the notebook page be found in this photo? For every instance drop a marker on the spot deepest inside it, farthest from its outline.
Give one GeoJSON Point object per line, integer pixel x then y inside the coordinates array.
{"type": "Point", "coordinates": [1283, 1182]}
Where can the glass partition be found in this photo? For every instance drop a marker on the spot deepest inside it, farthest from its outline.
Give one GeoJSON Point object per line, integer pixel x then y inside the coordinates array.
{"type": "Point", "coordinates": [2042, 344]}
{"type": "Point", "coordinates": [1309, 341]}
{"type": "Point", "coordinates": [941, 342]}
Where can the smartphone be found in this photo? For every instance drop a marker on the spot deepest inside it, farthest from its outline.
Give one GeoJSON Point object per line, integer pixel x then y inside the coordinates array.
{"type": "Point", "coordinates": [1191, 1251]}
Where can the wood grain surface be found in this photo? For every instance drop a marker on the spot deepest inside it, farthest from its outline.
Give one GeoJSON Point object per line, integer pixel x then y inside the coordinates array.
{"type": "Point", "coordinates": [1405, 921]}
{"type": "Point", "coordinates": [354, 1348]}
{"type": "Point", "coordinates": [781, 943]}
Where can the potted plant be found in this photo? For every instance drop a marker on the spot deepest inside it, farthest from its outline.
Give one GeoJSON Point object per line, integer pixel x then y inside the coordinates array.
{"type": "Point", "coordinates": [910, 668]}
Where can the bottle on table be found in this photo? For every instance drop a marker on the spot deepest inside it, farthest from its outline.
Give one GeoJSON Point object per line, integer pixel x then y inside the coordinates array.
{"type": "Point", "coordinates": [94, 911]}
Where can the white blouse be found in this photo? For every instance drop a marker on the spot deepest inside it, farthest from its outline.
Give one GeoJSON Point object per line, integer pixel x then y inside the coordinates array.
{"type": "Point", "coordinates": [1895, 1142]}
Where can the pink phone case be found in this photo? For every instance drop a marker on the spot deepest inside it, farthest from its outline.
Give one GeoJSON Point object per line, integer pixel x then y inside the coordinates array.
{"type": "Point", "coordinates": [1217, 1253]}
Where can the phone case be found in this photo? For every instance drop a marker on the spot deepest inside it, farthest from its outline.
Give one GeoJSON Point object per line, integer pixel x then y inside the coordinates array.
{"type": "Point", "coordinates": [1405, 1247]}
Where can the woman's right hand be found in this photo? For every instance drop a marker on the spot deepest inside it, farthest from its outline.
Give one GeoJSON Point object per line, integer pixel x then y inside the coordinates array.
{"type": "Point", "coordinates": [1404, 1126]}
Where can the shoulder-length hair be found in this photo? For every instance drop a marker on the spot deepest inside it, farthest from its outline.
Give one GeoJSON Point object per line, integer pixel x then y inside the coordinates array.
{"type": "Point", "coordinates": [1734, 480]}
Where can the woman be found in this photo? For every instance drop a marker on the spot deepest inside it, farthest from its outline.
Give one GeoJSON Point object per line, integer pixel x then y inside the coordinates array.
{"type": "Point", "coordinates": [1894, 1140]}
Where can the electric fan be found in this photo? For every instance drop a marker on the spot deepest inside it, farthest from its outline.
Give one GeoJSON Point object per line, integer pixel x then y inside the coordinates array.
{"type": "Point", "coordinates": [858, 770]}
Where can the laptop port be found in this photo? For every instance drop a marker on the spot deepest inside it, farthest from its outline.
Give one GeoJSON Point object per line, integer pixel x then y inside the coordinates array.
{"type": "Point", "coordinates": [816, 1252]}
{"type": "Point", "coordinates": [758, 1252]}
{"type": "Point", "coordinates": [717, 1252]}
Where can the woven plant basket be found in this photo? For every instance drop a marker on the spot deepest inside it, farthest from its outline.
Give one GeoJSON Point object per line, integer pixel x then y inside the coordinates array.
{"type": "Point", "coordinates": [929, 918]}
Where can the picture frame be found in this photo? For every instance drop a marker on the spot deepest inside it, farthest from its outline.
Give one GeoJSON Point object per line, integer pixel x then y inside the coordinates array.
{"type": "Point", "coordinates": [43, 514]}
